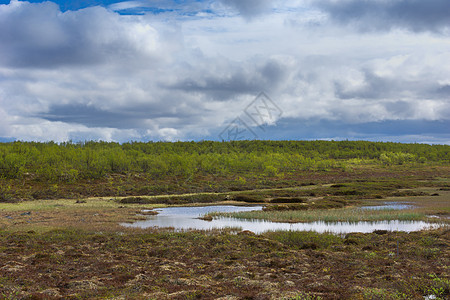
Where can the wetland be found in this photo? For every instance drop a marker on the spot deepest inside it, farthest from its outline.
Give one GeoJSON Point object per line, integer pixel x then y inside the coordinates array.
{"type": "Point", "coordinates": [242, 220]}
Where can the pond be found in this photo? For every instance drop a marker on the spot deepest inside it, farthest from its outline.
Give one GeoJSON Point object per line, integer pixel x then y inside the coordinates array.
{"type": "Point", "coordinates": [186, 218]}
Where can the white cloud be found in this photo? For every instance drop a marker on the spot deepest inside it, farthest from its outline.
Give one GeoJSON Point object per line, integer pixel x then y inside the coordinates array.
{"type": "Point", "coordinates": [95, 74]}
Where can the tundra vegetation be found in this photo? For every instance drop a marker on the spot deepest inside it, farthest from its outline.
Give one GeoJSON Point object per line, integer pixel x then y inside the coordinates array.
{"type": "Point", "coordinates": [61, 206]}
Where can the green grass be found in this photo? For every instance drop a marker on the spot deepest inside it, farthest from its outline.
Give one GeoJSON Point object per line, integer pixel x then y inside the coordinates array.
{"type": "Point", "coordinates": [329, 215]}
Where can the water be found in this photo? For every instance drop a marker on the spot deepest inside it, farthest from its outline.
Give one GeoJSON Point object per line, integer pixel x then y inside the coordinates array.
{"type": "Point", "coordinates": [186, 218]}
{"type": "Point", "coordinates": [389, 205]}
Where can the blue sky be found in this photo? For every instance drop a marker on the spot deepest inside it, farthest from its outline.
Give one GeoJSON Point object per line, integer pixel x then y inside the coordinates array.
{"type": "Point", "coordinates": [192, 70]}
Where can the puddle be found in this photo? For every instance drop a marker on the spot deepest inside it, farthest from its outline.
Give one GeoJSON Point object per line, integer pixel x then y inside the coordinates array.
{"type": "Point", "coordinates": [185, 218]}
{"type": "Point", "coordinates": [389, 205]}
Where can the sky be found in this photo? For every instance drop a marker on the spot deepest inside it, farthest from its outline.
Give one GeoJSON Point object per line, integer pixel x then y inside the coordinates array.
{"type": "Point", "coordinates": [153, 70]}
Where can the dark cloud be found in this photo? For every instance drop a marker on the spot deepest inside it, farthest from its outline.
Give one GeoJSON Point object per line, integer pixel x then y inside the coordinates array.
{"type": "Point", "coordinates": [444, 91]}
{"type": "Point", "coordinates": [381, 15]}
{"type": "Point", "coordinates": [90, 116]}
{"type": "Point", "coordinates": [130, 117]}
{"type": "Point", "coordinates": [249, 8]}
{"type": "Point", "coordinates": [232, 79]}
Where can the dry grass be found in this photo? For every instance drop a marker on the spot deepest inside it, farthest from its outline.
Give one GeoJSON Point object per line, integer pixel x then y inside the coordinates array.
{"type": "Point", "coordinates": [43, 215]}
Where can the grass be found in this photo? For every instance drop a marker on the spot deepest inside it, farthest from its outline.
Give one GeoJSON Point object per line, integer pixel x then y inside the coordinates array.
{"type": "Point", "coordinates": [156, 264]}
{"type": "Point", "coordinates": [65, 249]}
{"type": "Point", "coordinates": [45, 215]}
{"type": "Point", "coordinates": [106, 213]}
{"type": "Point", "coordinates": [328, 215]}
{"type": "Point", "coordinates": [424, 206]}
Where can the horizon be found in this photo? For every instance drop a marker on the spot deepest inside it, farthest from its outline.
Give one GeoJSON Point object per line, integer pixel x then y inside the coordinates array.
{"type": "Point", "coordinates": [70, 142]}
{"type": "Point", "coordinates": [193, 70]}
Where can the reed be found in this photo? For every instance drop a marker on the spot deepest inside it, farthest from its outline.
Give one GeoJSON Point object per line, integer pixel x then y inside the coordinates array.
{"type": "Point", "coordinates": [327, 215]}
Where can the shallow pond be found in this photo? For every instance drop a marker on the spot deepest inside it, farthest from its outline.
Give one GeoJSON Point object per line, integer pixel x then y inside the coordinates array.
{"type": "Point", "coordinates": [186, 218]}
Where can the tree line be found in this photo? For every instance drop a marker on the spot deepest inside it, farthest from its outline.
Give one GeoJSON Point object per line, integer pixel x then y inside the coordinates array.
{"type": "Point", "coordinates": [66, 162]}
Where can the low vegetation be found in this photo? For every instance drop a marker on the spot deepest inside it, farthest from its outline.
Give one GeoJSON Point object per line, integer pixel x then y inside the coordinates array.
{"type": "Point", "coordinates": [62, 206]}
{"type": "Point", "coordinates": [82, 264]}
{"type": "Point", "coordinates": [328, 215]}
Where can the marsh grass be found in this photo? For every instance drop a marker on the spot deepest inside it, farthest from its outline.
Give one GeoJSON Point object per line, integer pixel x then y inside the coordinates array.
{"type": "Point", "coordinates": [157, 264]}
{"type": "Point", "coordinates": [329, 215]}
{"type": "Point", "coordinates": [305, 239]}
{"type": "Point", "coordinates": [44, 215]}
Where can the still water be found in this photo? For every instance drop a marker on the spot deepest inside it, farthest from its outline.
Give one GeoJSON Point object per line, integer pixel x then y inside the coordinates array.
{"type": "Point", "coordinates": [186, 218]}
{"type": "Point", "coordinates": [390, 206]}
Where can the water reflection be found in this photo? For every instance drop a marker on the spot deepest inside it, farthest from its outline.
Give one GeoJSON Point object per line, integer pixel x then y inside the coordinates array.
{"type": "Point", "coordinates": [185, 218]}
{"type": "Point", "coordinates": [389, 205]}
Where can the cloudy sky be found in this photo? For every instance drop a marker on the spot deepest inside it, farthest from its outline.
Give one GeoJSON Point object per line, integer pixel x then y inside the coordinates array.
{"type": "Point", "coordinates": [225, 69]}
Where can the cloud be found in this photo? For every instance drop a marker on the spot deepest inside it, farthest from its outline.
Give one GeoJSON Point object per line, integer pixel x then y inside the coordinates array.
{"type": "Point", "coordinates": [41, 36]}
{"type": "Point", "coordinates": [249, 8]}
{"type": "Point", "coordinates": [96, 74]}
{"type": "Point", "coordinates": [384, 15]}
{"type": "Point", "coordinates": [224, 79]}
